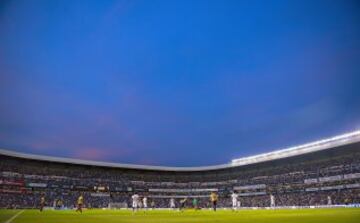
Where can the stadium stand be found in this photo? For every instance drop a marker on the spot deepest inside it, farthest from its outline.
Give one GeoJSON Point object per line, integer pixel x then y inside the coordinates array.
{"type": "Point", "coordinates": [326, 176]}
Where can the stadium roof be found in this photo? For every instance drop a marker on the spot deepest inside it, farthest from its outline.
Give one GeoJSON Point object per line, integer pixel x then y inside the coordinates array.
{"type": "Point", "coordinates": [324, 144]}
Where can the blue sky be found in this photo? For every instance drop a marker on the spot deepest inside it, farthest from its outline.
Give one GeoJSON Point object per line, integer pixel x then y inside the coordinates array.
{"type": "Point", "coordinates": [179, 83]}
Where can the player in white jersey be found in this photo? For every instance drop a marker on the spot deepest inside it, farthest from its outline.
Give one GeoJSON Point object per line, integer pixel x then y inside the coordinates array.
{"type": "Point", "coordinates": [144, 200]}
{"type": "Point", "coordinates": [234, 198]}
{"type": "Point", "coordinates": [172, 203]}
{"type": "Point", "coordinates": [135, 201]}
{"type": "Point", "coordinates": [272, 201]}
{"type": "Point", "coordinates": [329, 201]}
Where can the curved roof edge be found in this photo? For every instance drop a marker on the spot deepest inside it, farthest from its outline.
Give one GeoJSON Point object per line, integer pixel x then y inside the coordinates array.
{"type": "Point", "coordinates": [339, 140]}
{"type": "Point", "coordinates": [108, 164]}
{"type": "Point", "coordinates": [324, 144]}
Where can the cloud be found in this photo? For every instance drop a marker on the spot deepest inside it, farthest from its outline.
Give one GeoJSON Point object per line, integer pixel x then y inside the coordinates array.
{"type": "Point", "coordinates": [92, 154]}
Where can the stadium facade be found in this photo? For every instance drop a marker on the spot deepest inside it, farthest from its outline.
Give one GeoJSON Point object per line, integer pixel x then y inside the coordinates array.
{"type": "Point", "coordinates": [324, 172]}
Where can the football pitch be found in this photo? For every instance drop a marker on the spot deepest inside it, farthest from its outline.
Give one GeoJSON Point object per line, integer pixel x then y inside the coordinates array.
{"type": "Point", "coordinates": [341, 215]}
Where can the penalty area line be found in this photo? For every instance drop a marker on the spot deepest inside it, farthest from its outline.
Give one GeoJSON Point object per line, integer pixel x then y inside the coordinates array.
{"type": "Point", "coordinates": [15, 216]}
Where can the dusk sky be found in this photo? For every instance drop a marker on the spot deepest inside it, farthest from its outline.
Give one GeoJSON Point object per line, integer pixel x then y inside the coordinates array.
{"type": "Point", "coordinates": [176, 83]}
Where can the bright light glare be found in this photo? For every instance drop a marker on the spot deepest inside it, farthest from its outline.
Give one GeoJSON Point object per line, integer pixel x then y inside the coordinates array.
{"type": "Point", "coordinates": [301, 149]}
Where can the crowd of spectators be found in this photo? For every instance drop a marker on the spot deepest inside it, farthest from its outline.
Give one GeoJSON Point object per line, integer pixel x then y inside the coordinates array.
{"type": "Point", "coordinates": [23, 181]}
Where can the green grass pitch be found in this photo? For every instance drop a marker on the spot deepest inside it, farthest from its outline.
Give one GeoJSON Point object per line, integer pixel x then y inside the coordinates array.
{"type": "Point", "coordinates": [340, 215]}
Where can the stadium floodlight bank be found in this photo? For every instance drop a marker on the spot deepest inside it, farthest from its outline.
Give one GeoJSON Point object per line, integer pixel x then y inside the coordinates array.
{"type": "Point", "coordinates": [319, 145]}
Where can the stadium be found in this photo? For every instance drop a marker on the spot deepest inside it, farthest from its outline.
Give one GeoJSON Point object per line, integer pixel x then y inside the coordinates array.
{"type": "Point", "coordinates": [322, 174]}
{"type": "Point", "coordinates": [181, 111]}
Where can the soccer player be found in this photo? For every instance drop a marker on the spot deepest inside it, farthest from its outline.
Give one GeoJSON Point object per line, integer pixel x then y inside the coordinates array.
{"type": "Point", "coordinates": [135, 201]}
{"type": "Point", "coordinates": [239, 203]}
{"type": "Point", "coordinates": [182, 204]}
{"type": "Point", "coordinates": [80, 203]}
{"type": "Point", "coordinates": [329, 201]}
{"type": "Point", "coordinates": [42, 202]}
{"type": "Point", "coordinates": [272, 201]}
{"type": "Point", "coordinates": [59, 204]}
{"type": "Point", "coordinates": [195, 203]}
{"type": "Point", "coordinates": [152, 204]}
{"type": "Point", "coordinates": [145, 202]}
{"type": "Point", "coordinates": [214, 198]}
{"type": "Point", "coordinates": [54, 203]}
{"type": "Point", "coordinates": [172, 203]}
{"type": "Point", "coordinates": [234, 198]}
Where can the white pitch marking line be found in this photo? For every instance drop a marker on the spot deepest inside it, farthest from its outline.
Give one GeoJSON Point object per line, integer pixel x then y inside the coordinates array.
{"type": "Point", "coordinates": [13, 217]}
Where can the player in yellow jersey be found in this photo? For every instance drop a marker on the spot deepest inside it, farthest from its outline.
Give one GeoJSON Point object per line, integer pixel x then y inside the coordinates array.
{"type": "Point", "coordinates": [214, 199]}
{"type": "Point", "coordinates": [80, 203]}
{"type": "Point", "coordinates": [183, 204]}
{"type": "Point", "coordinates": [42, 202]}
